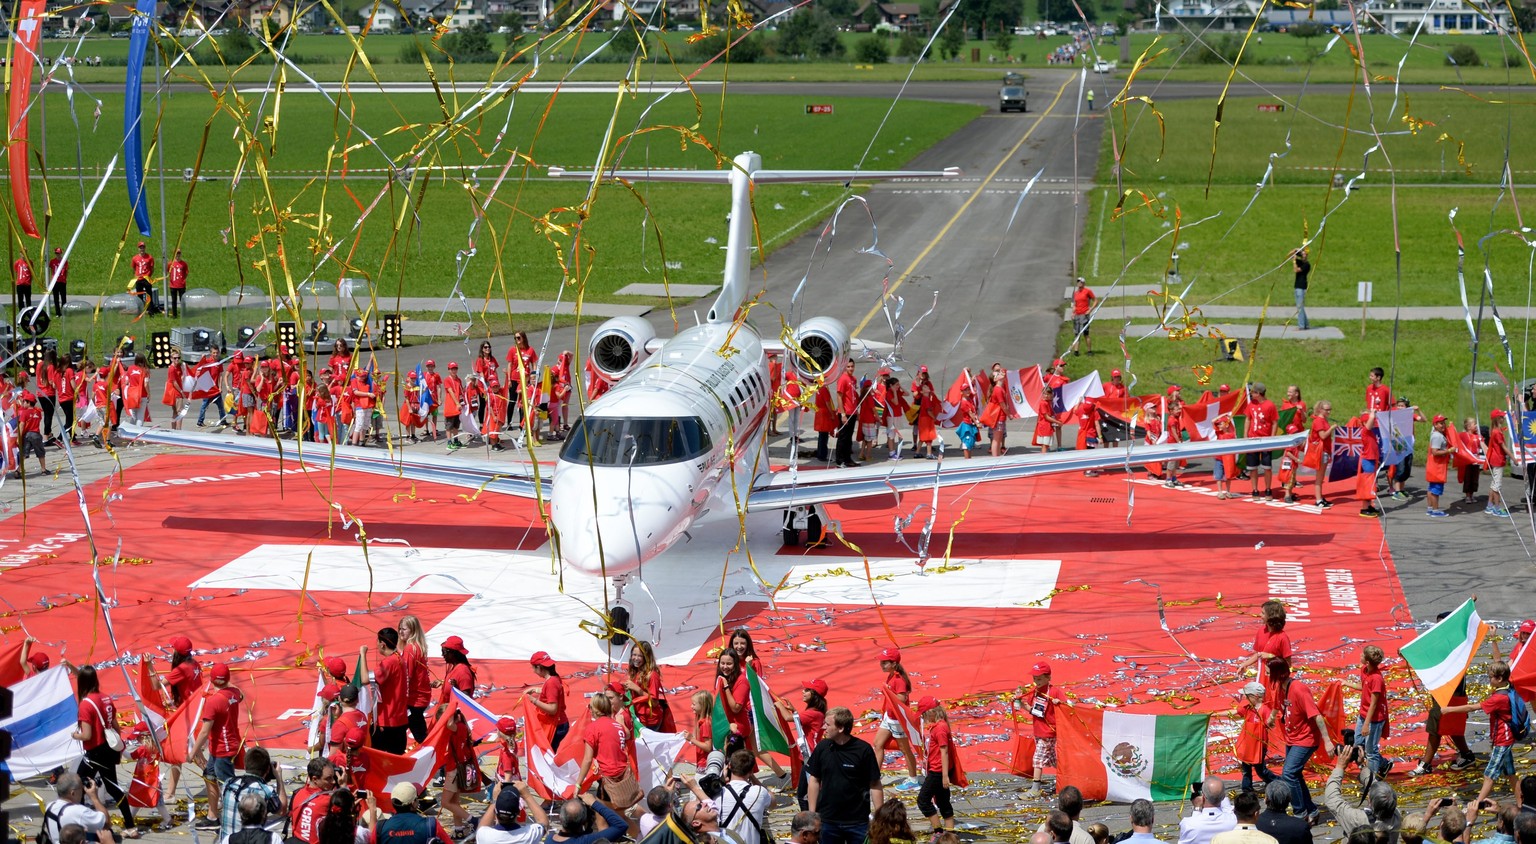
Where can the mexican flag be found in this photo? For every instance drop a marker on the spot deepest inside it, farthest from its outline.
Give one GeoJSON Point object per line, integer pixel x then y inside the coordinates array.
{"type": "Point", "coordinates": [1441, 654]}
{"type": "Point", "coordinates": [1120, 756]}
{"type": "Point", "coordinates": [771, 734]}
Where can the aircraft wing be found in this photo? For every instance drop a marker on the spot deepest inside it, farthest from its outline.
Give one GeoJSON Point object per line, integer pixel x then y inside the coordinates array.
{"type": "Point", "coordinates": [777, 490]}
{"type": "Point", "coordinates": [516, 479]}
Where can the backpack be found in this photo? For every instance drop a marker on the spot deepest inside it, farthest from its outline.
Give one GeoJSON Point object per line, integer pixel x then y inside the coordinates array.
{"type": "Point", "coordinates": [1519, 716]}
{"type": "Point", "coordinates": [45, 835]}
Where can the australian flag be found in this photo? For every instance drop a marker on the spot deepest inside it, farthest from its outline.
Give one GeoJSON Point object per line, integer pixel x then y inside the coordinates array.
{"type": "Point", "coordinates": [1348, 445]}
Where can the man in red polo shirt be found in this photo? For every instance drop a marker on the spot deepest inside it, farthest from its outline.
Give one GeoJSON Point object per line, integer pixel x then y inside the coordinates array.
{"type": "Point", "coordinates": [848, 422]}
{"type": "Point", "coordinates": [1262, 416]}
{"type": "Point", "coordinates": [220, 736]}
{"type": "Point", "coordinates": [58, 276]}
{"type": "Point", "coordinates": [390, 718]}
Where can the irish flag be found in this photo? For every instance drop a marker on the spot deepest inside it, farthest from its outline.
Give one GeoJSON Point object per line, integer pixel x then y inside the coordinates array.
{"type": "Point", "coordinates": [1120, 756]}
{"type": "Point", "coordinates": [1441, 654]}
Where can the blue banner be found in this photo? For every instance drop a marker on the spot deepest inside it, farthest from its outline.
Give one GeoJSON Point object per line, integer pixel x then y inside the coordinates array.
{"type": "Point", "coordinates": [133, 116]}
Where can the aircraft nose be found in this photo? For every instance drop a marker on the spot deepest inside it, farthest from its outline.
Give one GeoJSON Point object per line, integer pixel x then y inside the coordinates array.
{"type": "Point", "coordinates": [596, 537]}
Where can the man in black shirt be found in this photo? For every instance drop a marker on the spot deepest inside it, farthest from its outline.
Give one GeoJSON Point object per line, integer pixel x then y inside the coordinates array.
{"type": "Point", "coordinates": [1303, 268]}
{"type": "Point", "coordinates": [1285, 828]}
{"type": "Point", "coordinates": [843, 781]}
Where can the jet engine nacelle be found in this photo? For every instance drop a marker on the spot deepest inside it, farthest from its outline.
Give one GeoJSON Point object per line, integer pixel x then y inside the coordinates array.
{"type": "Point", "coordinates": [822, 344]}
{"type": "Point", "coordinates": [619, 346]}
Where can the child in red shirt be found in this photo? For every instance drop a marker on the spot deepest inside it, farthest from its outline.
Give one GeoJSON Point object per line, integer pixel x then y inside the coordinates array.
{"type": "Point", "coordinates": [1251, 745]}
{"type": "Point", "coordinates": [940, 766]}
{"type": "Point", "coordinates": [1500, 709]}
{"type": "Point", "coordinates": [1371, 726]}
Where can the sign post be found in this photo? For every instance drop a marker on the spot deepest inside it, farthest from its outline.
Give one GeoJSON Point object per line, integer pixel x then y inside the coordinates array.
{"type": "Point", "coordinates": [1364, 295]}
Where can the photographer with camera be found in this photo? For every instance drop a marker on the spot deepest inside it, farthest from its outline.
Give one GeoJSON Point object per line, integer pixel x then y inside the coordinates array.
{"type": "Point", "coordinates": [1380, 812]}
{"type": "Point", "coordinates": [499, 824]}
{"type": "Point", "coordinates": [744, 803]}
{"type": "Point", "coordinates": [579, 826]}
{"type": "Point", "coordinates": [1453, 822]}
{"type": "Point", "coordinates": [70, 808]}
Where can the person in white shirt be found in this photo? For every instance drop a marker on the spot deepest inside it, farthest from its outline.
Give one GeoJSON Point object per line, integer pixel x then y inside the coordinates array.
{"type": "Point", "coordinates": [70, 808]}
{"type": "Point", "coordinates": [1245, 808]}
{"type": "Point", "coordinates": [499, 824]}
{"type": "Point", "coordinates": [1212, 815]}
{"type": "Point", "coordinates": [744, 803]}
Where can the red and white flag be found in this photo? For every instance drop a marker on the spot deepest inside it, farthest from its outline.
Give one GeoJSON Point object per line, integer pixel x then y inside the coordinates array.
{"type": "Point", "coordinates": [951, 401]}
{"type": "Point", "coordinates": [910, 724]}
{"type": "Point", "coordinates": [1201, 418]}
{"type": "Point", "coordinates": [552, 774]}
{"type": "Point", "coordinates": [1024, 386]}
{"type": "Point", "coordinates": [384, 771]}
{"type": "Point", "coordinates": [1522, 671]}
{"type": "Point", "coordinates": [202, 382]}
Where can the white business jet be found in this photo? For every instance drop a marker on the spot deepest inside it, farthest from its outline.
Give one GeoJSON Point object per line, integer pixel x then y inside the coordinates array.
{"type": "Point", "coordinates": [679, 437]}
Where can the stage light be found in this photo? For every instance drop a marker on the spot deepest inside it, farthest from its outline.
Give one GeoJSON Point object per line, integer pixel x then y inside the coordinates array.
{"type": "Point", "coordinates": [356, 329]}
{"type": "Point", "coordinates": [392, 331]}
{"type": "Point", "coordinates": [245, 337]}
{"type": "Point", "coordinates": [288, 336]}
{"type": "Point", "coordinates": [33, 354]}
{"type": "Point", "coordinates": [76, 351]}
{"type": "Point", "coordinates": [319, 332]}
{"type": "Point", "coordinates": [160, 354]}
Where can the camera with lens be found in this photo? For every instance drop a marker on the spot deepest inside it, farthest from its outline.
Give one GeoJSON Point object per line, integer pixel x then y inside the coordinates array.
{"type": "Point", "coordinates": [710, 778]}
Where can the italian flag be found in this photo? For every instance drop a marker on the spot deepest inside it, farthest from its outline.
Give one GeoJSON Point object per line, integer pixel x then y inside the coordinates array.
{"type": "Point", "coordinates": [770, 731]}
{"type": "Point", "coordinates": [1441, 654]}
{"type": "Point", "coordinates": [1120, 756]}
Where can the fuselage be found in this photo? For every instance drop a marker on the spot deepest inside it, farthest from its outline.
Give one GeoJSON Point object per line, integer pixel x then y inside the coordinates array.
{"type": "Point", "coordinates": [677, 438]}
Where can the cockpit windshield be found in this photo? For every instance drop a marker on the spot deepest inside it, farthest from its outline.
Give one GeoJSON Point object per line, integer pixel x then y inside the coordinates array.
{"type": "Point", "coordinates": [635, 441]}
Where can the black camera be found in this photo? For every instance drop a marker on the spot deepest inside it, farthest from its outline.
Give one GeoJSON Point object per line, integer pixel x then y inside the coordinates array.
{"type": "Point", "coordinates": [710, 779]}
{"type": "Point", "coordinates": [1348, 734]}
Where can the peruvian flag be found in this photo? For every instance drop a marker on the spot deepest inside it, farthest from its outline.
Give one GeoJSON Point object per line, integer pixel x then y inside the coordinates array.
{"type": "Point", "coordinates": [553, 774]}
{"type": "Point", "coordinates": [149, 690]}
{"type": "Point", "coordinates": [384, 771]}
{"type": "Point", "coordinates": [202, 382]}
{"type": "Point", "coordinates": [979, 393]}
{"type": "Point", "coordinates": [909, 722]}
{"type": "Point", "coordinates": [1202, 417]}
{"type": "Point", "coordinates": [1024, 386]}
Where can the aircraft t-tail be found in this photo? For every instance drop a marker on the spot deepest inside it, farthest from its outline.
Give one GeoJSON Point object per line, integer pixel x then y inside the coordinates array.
{"type": "Point", "coordinates": [679, 436]}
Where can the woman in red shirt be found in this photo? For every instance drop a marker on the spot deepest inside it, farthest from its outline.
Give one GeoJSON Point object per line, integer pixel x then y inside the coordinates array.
{"type": "Point", "coordinates": [460, 675]}
{"type": "Point", "coordinates": [340, 363]}
{"type": "Point", "coordinates": [47, 377]}
{"type": "Point", "coordinates": [418, 676]}
{"type": "Point", "coordinates": [900, 684]}
{"type": "Point", "coordinates": [95, 716]}
{"type": "Point", "coordinates": [813, 693]}
{"type": "Point", "coordinates": [926, 429]}
{"type": "Point", "coordinates": [644, 688]}
{"type": "Point", "coordinates": [1271, 642]}
{"type": "Point", "coordinates": [522, 384]}
{"type": "Point", "coordinates": [550, 696]}
{"type": "Point", "coordinates": [732, 689]}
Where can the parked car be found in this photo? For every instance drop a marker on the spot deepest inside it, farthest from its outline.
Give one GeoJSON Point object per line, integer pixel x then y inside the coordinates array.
{"type": "Point", "coordinates": [1013, 77]}
{"type": "Point", "coordinates": [1102, 66]}
{"type": "Point", "coordinates": [1010, 97]}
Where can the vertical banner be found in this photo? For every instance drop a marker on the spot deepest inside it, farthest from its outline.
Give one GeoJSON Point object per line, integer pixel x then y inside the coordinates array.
{"type": "Point", "coordinates": [29, 30]}
{"type": "Point", "coordinates": [133, 117]}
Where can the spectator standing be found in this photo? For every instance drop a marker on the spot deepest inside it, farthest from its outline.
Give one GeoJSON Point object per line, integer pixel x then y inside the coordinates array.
{"type": "Point", "coordinates": [78, 804]}
{"type": "Point", "coordinates": [258, 786]}
{"type": "Point", "coordinates": [1303, 268]}
{"type": "Point", "coordinates": [843, 781]}
{"type": "Point", "coordinates": [390, 716]}
{"type": "Point", "coordinates": [176, 281]}
{"type": "Point", "coordinates": [1082, 304]}
{"type": "Point", "coordinates": [58, 279]}
{"type": "Point", "coordinates": [743, 802]}
{"type": "Point", "coordinates": [312, 803]}
{"type": "Point", "coordinates": [21, 273]}
{"type": "Point", "coordinates": [407, 825]}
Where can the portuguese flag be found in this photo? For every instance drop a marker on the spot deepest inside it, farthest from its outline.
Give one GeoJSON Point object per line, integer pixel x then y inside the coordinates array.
{"type": "Point", "coordinates": [1120, 756]}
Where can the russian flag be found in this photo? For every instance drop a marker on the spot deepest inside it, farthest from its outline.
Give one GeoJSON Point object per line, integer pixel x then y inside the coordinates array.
{"type": "Point", "coordinates": [44, 715]}
{"type": "Point", "coordinates": [482, 723]}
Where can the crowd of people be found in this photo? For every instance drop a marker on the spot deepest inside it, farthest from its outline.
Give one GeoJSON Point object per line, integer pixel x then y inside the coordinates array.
{"type": "Point", "coordinates": [842, 795]}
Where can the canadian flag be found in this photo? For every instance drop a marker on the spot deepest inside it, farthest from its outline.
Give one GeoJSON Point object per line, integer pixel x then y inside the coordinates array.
{"type": "Point", "coordinates": [552, 774]}
{"type": "Point", "coordinates": [1202, 417]}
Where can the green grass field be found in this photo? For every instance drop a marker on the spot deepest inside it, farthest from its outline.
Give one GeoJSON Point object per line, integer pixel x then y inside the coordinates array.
{"type": "Point", "coordinates": [1268, 57]}
{"type": "Point", "coordinates": [266, 234]}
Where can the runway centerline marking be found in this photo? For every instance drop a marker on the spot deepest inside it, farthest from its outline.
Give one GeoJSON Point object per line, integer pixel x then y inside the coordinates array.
{"type": "Point", "coordinates": [916, 262]}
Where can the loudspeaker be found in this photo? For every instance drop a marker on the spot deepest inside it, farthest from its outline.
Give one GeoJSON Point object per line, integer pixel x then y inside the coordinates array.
{"type": "Point", "coordinates": [1231, 349]}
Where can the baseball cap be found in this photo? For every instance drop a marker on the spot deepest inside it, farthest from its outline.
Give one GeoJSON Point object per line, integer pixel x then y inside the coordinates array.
{"type": "Point", "coordinates": [508, 802]}
{"type": "Point", "coordinates": [453, 364]}
{"type": "Point", "coordinates": [1224, 388]}
{"type": "Point", "coordinates": [1528, 626]}
{"type": "Point", "coordinates": [141, 244]}
{"type": "Point", "coordinates": [454, 643]}
{"type": "Point", "coordinates": [1058, 362]}
{"type": "Point", "coordinates": [1041, 669]}
{"type": "Point", "coordinates": [355, 737]}
{"type": "Point", "coordinates": [1253, 689]}
{"type": "Point", "coordinates": [430, 362]}
{"type": "Point", "coordinates": [1173, 388]}
{"type": "Point", "coordinates": [26, 395]}
{"type": "Point", "coordinates": [38, 660]}
{"type": "Point", "coordinates": [818, 685]}
{"type": "Point", "coordinates": [1439, 417]}
{"type": "Point", "coordinates": [1114, 373]}
{"type": "Point", "coordinates": [58, 250]}
{"type": "Point", "coordinates": [892, 654]}
{"type": "Point", "coordinates": [219, 671]}
{"type": "Point", "coordinates": [507, 725]}
{"type": "Point", "coordinates": [336, 666]}
{"type": "Point", "coordinates": [348, 694]}
{"type": "Point", "coordinates": [405, 794]}
{"type": "Point", "coordinates": [330, 692]}
{"type": "Point", "coordinates": [922, 369]}
{"type": "Point", "coordinates": [1496, 414]}
{"type": "Point", "coordinates": [884, 371]}
{"type": "Point", "coordinates": [541, 658]}
{"type": "Point", "coordinates": [925, 703]}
